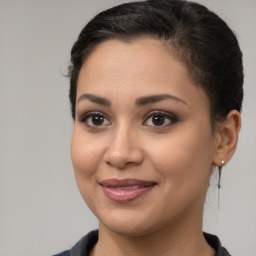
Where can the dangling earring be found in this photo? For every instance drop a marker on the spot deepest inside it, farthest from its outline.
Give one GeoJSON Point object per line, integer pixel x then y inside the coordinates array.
{"type": "Point", "coordinates": [220, 169]}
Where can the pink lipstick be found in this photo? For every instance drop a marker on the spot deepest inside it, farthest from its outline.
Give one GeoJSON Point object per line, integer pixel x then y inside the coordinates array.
{"type": "Point", "coordinates": [125, 190]}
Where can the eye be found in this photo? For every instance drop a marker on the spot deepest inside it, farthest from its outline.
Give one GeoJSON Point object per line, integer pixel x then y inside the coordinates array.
{"type": "Point", "coordinates": [159, 119]}
{"type": "Point", "coordinates": [94, 119]}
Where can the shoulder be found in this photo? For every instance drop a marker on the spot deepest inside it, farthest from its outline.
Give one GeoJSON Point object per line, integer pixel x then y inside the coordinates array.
{"type": "Point", "coordinates": [214, 242]}
{"type": "Point", "coordinates": [83, 246]}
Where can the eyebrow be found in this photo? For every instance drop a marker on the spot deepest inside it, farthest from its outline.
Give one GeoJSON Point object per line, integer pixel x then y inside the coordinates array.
{"type": "Point", "coordinates": [142, 101]}
{"type": "Point", "coordinates": [95, 99]}
{"type": "Point", "coordinates": [156, 98]}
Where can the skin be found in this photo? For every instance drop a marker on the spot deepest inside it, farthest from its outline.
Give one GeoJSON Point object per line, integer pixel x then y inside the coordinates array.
{"type": "Point", "coordinates": [177, 155]}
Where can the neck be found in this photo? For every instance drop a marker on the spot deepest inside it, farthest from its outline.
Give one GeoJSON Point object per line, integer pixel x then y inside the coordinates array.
{"type": "Point", "coordinates": [175, 241]}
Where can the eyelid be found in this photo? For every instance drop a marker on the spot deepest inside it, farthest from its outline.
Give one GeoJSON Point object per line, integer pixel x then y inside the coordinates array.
{"type": "Point", "coordinates": [84, 117]}
{"type": "Point", "coordinates": [172, 117]}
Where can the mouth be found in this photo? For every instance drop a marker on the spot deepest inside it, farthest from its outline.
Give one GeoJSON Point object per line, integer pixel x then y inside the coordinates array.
{"type": "Point", "coordinates": [125, 190]}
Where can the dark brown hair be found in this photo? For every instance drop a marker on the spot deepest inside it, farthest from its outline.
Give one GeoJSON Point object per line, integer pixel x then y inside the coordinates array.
{"type": "Point", "coordinates": [200, 39]}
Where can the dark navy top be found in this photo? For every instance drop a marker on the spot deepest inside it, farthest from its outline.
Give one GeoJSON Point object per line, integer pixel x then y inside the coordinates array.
{"type": "Point", "coordinates": [84, 246]}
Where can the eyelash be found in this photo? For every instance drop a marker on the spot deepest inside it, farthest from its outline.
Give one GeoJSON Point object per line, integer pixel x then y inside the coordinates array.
{"type": "Point", "coordinates": [171, 117]}
{"type": "Point", "coordinates": [84, 118]}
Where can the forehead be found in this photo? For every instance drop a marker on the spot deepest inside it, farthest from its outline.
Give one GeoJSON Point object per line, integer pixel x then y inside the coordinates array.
{"type": "Point", "coordinates": [143, 66]}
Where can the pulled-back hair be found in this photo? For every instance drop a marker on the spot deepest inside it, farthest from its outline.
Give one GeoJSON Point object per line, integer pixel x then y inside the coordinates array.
{"type": "Point", "coordinates": [199, 39]}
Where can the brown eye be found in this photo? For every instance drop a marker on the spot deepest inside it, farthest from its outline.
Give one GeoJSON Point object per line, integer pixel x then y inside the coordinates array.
{"type": "Point", "coordinates": [94, 119]}
{"type": "Point", "coordinates": [97, 120]}
{"type": "Point", "coordinates": [159, 119]}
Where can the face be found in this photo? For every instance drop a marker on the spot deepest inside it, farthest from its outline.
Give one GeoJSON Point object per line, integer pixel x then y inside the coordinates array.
{"type": "Point", "coordinates": [142, 144]}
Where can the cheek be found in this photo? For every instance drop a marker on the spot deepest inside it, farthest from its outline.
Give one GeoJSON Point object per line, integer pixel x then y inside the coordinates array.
{"type": "Point", "coordinates": [85, 155]}
{"type": "Point", "coordinates": [184, 164]}
{"type": "Point", "coordinates": [185, 157]}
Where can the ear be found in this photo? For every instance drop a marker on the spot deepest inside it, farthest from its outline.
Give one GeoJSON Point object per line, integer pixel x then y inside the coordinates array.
{"type": "Point", "coordinates": [227, 133]}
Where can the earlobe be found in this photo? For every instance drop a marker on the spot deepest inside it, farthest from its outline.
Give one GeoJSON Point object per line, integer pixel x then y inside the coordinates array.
{"type": "Point", "coordinates": [227, 137]}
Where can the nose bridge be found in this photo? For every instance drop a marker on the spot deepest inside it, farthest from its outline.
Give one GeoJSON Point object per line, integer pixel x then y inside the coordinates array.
{"type": "Point", "coordinates": [122, 137]}
{"type": "Point", "coordinates": [123, 148]}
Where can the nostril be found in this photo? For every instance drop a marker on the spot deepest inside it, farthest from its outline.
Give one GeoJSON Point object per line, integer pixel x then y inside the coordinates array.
{"type": "Point", "coordinates": [121, 162]}
{"type": "Point", "coordinates": [118, 163]}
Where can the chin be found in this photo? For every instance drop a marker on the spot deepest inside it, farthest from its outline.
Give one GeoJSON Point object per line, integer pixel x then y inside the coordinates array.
{"type": "Point", "coordinates": [129, 223]}
{"type": "Point", "coordinates": [128, 230]}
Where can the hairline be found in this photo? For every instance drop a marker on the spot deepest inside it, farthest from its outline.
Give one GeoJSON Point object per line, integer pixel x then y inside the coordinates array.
{"type": "Point", "coordinates": [169, 46]}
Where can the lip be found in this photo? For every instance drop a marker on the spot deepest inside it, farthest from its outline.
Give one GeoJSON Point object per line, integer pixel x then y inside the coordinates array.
{"type": "Point", "coordinates": [125, 190]}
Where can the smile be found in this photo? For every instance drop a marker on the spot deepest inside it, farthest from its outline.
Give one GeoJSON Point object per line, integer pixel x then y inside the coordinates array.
{"type": "Point", "coordinates": [125, 190]}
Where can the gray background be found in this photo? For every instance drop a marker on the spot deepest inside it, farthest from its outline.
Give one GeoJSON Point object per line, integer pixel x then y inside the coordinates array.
{"type": "Point", "coordinates": [41, 211]}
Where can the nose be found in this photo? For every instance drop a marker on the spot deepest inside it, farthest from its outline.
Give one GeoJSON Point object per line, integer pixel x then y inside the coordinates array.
{"type": "Point", "coordinates": [124, 149]}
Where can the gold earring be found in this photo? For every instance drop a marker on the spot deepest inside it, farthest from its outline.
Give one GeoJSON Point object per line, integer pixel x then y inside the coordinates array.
{"type": "Point", "coordinates": [220, 170]}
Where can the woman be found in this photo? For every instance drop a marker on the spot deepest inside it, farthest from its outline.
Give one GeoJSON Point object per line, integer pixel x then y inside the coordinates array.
{"type": "Point", "coordinates": [156, 94]}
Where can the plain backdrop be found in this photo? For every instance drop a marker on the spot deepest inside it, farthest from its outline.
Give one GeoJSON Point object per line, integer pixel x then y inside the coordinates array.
{"type": "Point", "coordinates": [41, 210]}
